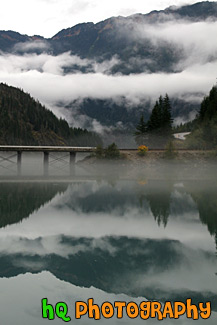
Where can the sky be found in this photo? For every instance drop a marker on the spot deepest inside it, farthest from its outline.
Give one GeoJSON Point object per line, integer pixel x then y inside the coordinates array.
{"type": "Point", "coordinates": [47, 17]}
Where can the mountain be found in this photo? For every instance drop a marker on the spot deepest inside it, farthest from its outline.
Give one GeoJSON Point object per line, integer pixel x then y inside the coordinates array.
{"type": "Point", "coordinates": [9, 39]}
{"type": "Point", "coordinates": [198, 11]}
{"type": "Point", "coordinates": [120, 36]}
{"type": "Point", "coordinates": [120, 114]}
{"type": "Point", "coordinates": [24, 121]}
{"type": "Point", "coordinates": [161, 43]}
{"type": "Point", "coordinates": [20, 200]}
{"type": "Point", "coordinates": [116, 36]}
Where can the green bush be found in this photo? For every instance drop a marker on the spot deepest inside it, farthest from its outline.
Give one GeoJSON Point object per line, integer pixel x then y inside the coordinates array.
{"type": "Point", "coordinates": [170, 152]}
{"type": "Point", "coordinates": [110, 152]}
{"type": "Point", "coordinates": [204, 137]}
{"type": "Point", "coordinates": [99, 152]}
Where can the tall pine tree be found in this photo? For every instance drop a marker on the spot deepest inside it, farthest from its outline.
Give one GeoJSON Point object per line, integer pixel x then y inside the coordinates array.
{"type": "Point", "coordinates": [166, 115]}
{"type": "Point", "coordinates": [155, 120]}
{"type": "Point", "coordinates": [159, 126]}
{"type": "Point", "coordinates": [141, 131]}
{"type": "Point", "coordinates": [160, 121]}
{"type": "Point", "coordinates": [141, 127]}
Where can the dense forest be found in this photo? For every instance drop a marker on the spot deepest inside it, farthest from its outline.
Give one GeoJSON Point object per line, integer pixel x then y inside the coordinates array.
{"type": "Point", "coordinates": [204, 127]}
{"type": "Point", "coordinates": [159, 128]}
{"type": "Point", "coordinates": [24, 121]}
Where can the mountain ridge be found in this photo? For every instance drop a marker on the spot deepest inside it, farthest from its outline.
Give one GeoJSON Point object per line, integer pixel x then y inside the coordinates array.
{"type": "Point", "coordinates": [200, 10]}
{"type": "Point", "coordinates": [118, 37]}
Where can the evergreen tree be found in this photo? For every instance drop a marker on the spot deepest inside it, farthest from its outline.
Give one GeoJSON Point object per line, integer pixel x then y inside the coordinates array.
{"type": "Point", "coordinates": [141, 127]}
{"type": "Point", "coordinates": [141, 131]}
{"type": "Point", "coordinates": [166, 115]}
{"type": "Point", "coordinates": [204, 127]}
{"type": "Point", "coordinates": [208, 108]}
{"type": "Point", "coordinates": [161, 103]}
{"type": "Point", "coordinates": [160, 121]}
{"type": "Point", "coordinates": [155, 120]}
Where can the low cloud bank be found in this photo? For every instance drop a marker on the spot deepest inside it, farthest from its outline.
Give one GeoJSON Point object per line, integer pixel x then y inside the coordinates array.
{"type": "Point", "coordinates": [61, 80]}
{"type": "Point", "coordinates": [46, 81]}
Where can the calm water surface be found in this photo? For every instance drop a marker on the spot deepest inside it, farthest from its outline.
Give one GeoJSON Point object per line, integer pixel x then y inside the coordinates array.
{"type": "Point", "coordinates": [109, 240]}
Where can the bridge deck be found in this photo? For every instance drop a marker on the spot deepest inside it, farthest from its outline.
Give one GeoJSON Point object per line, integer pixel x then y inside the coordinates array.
{"type": "Point", "coordinates": [77, 149]}
{"type": "Point", "coordinates": [47, 148]}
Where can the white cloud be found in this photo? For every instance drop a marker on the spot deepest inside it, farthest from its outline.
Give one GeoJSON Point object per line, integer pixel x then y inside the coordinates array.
{"type": "Point", "coordinates": [183, 119]}
{"type": "Point", "coordinates": [43, 62]}
{"type": "Point", "coordinates": [33, 45]}
{"type": "Point", "coordinates": [50, 86]}
{"type": "Point", "coordinates": [47, 63]}
{"type": "Point", "coordinates": [52, 245]}
{"type": "Point", "coordinates": [196, 40]}
{"type": "Point", "coordinates": [33, 287]}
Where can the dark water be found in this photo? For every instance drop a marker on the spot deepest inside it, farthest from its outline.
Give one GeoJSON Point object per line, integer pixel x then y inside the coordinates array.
{"type": "Point", "coordinates": [126, 240]}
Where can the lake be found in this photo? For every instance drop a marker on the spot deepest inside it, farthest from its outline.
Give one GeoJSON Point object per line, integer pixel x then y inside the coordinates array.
{"type": "Point", "coordinates": [131, 238]}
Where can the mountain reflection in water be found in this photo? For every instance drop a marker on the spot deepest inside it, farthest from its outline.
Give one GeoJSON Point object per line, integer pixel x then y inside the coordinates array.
{"type": "Point", "coordinates": [153, 239]}
{"type": "Point", "coordinates": [19, 200]}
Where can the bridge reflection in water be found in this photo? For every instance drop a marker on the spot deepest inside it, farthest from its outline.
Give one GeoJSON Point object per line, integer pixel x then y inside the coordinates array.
{"type": "Point", "coordinates": [11, 156]}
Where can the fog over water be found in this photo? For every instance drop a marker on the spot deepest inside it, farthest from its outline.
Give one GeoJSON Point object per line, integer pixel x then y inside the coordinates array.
{"type": "Point", "coordinates": [142, 236]}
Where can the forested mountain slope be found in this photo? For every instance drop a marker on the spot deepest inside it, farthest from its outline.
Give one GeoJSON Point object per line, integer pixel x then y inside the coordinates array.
{"type": "Point", "coordinates": [24, 121]}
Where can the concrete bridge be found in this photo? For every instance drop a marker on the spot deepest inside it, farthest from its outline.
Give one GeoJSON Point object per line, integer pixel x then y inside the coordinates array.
{"type": "Point", "coordinates": [16, 151]}
{"type": "Point", "coordinates": [13, 155]}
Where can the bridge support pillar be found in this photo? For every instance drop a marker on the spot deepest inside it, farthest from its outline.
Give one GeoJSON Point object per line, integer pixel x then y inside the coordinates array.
{"type": "Point", "coordinates": [19, 161]}
{"type": "Point", "coordinates": [72, 162]}
{"type": "Point", "coordinates": [46, 162]}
